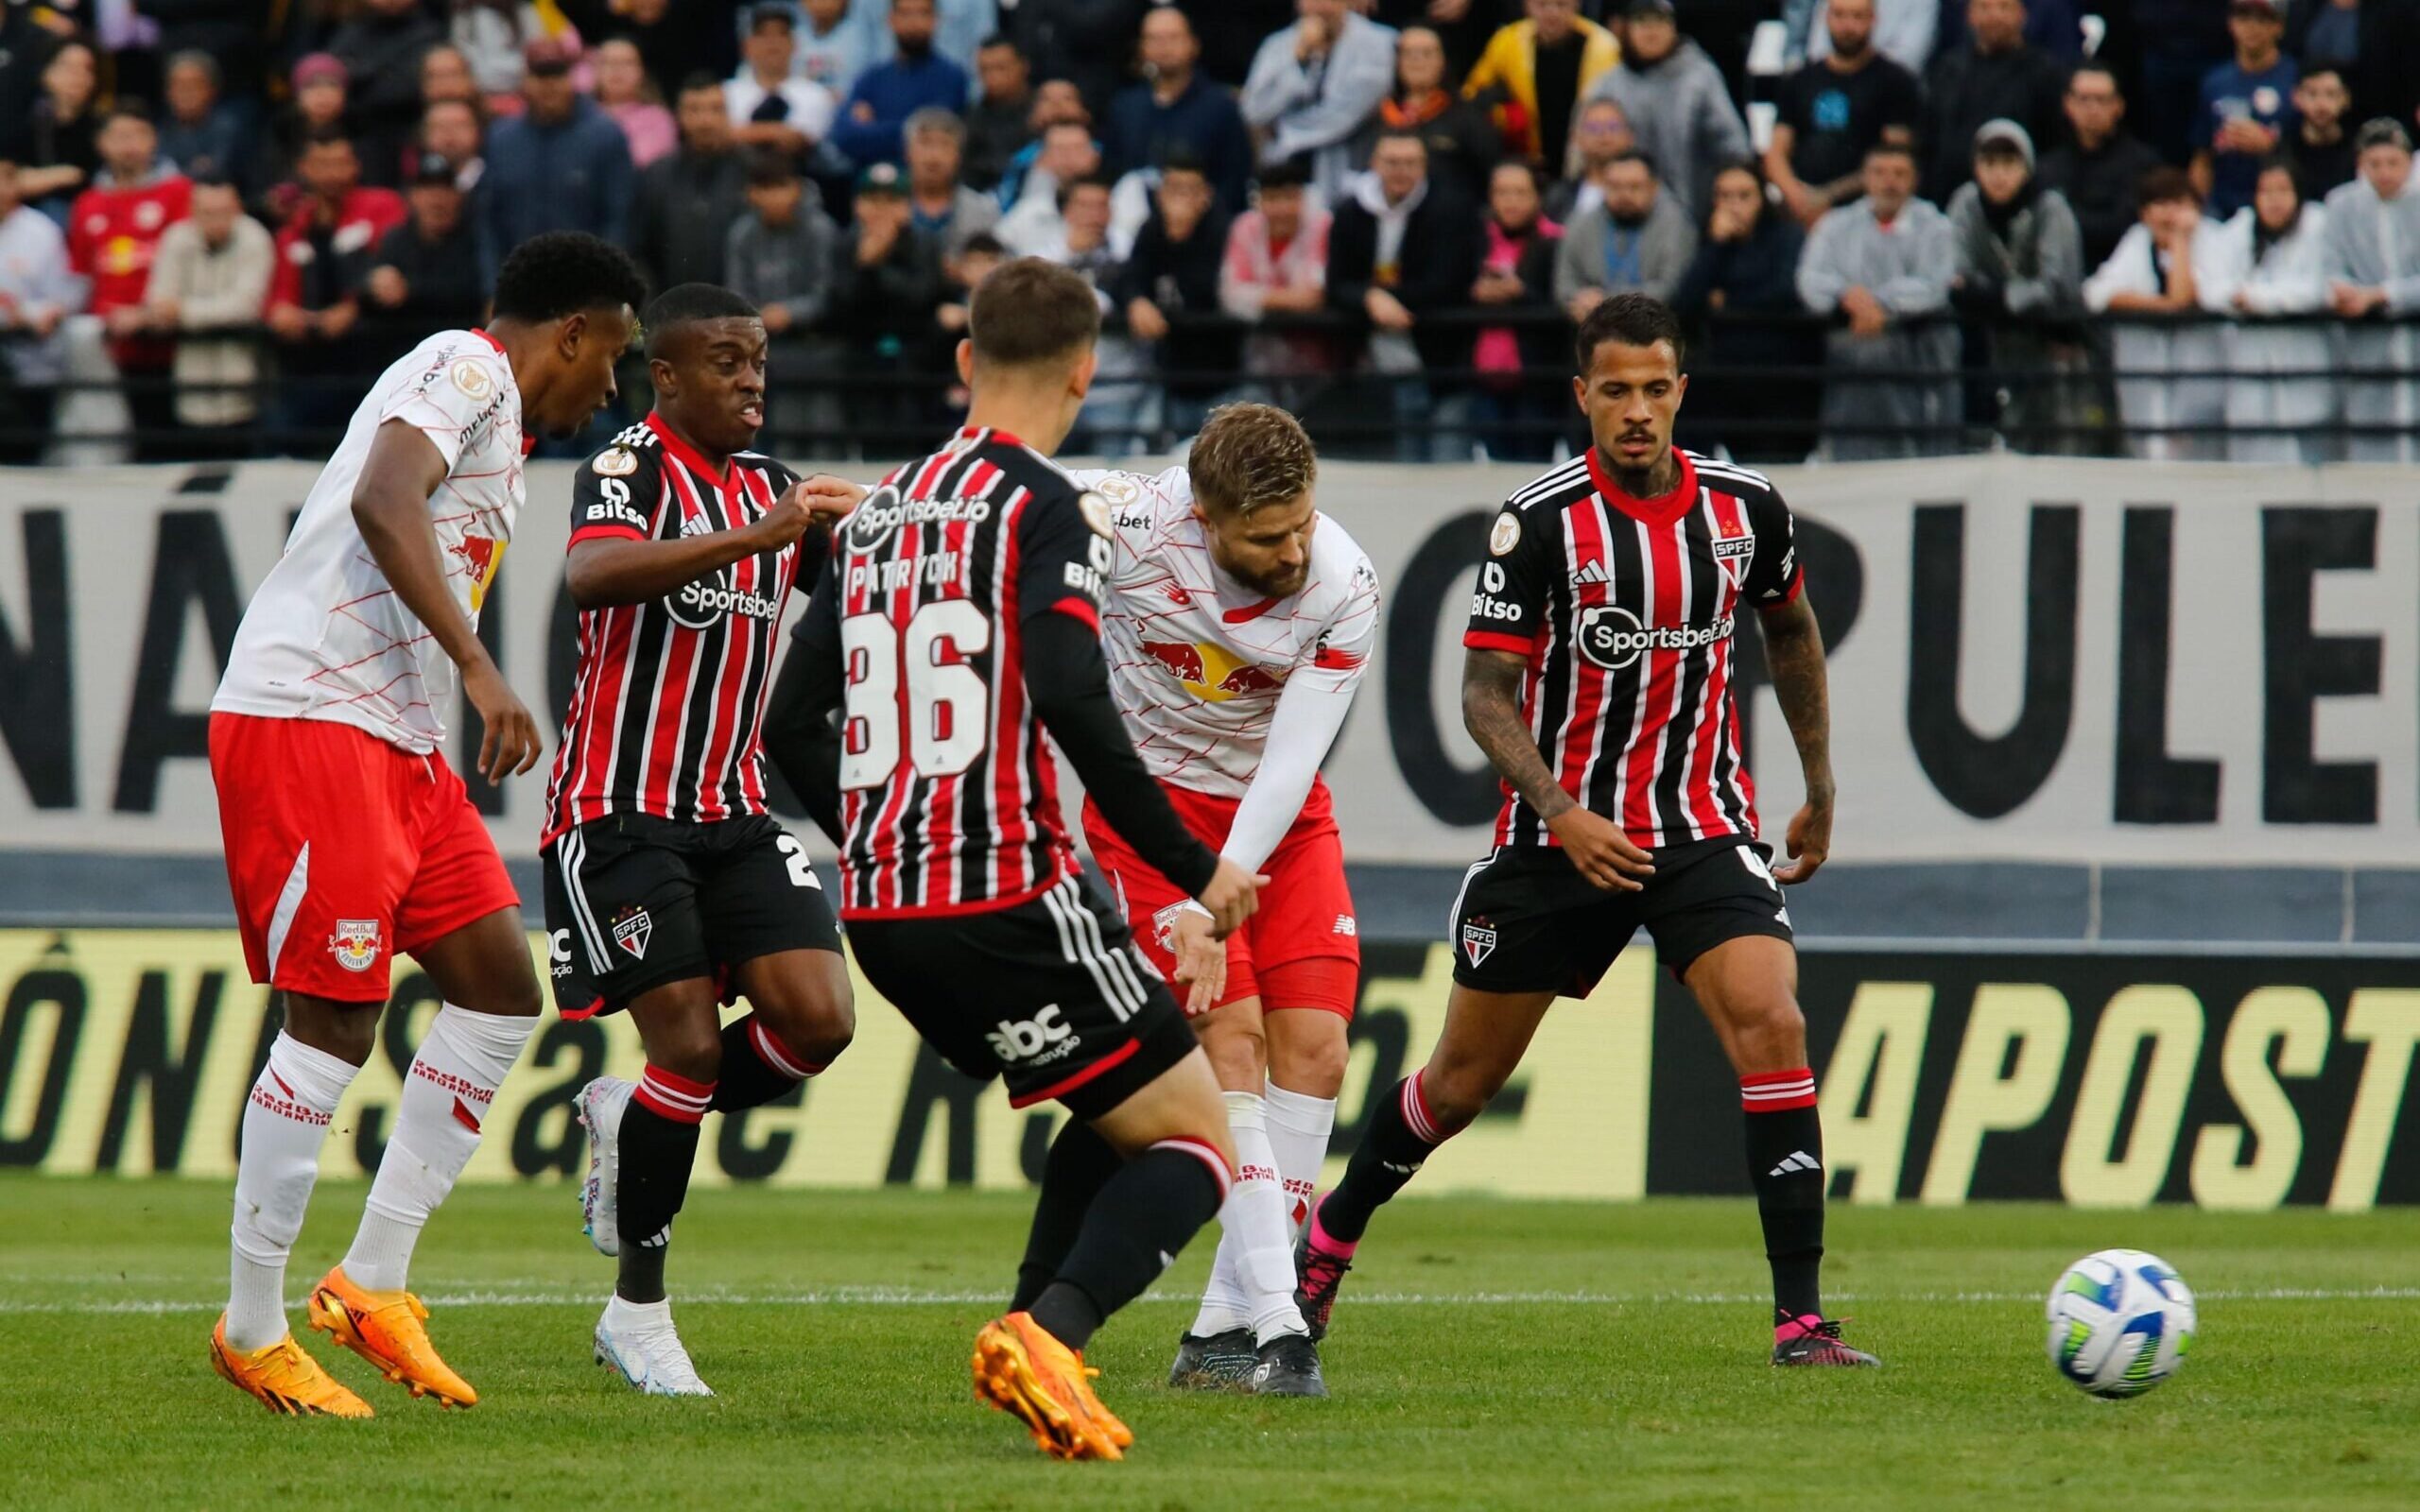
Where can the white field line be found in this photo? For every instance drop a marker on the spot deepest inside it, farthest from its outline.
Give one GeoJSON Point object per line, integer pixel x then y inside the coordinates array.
{"type": "Point", "coordinates": [902, 1297]}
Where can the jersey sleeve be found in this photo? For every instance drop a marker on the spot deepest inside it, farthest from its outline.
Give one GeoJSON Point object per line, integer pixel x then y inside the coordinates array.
{"type": "Point", "coordinates": [613, 497]}
{"type": "Point", "coordinates": [1775, 576]}
{"type": "Point", "coordinates": [453, 401]}
{"type": "Point", "coordinates": [1341, 654]}
{"type": "Point", "coordinates": [1063, 555]}
{"type": "Point", "coordinates": [1515, 583]}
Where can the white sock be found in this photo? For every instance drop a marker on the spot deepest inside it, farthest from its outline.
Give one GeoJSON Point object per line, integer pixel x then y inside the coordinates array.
{"type": "Point", "coordinates": [447, 1095]}
{"type": "Point", "coordinates": [1299, 1128]}
{"type": "Point", "coordinates": [1225, 1303]}
{"type": "Point", "coordinates": [285, 1124]}
{"type": "Point", "coordinates": [1253, 1246]}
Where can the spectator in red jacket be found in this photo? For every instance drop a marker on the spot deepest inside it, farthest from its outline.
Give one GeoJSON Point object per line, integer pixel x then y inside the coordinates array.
{"type": "Point", "coordinates": [325, 255]}
{"type": "Point", "coordinates": [113, 233]}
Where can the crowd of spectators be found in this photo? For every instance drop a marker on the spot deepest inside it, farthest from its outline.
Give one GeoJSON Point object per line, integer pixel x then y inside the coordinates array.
{"type": "Point", "coordinates": [2179, 226]}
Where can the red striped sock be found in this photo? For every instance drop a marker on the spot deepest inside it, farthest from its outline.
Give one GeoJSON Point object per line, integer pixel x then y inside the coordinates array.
{"type": "Point", "coordinates": [1772, 1091]}
{"type": "Point", "coordinates": [669, 1095]}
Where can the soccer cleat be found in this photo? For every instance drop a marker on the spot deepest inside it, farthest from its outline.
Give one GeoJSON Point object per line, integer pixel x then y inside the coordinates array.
{"type": "Point", "coordinates": [1813, 1340]}
{"type": "Point", "coordinates": [1289, 1367]}
{"type": "Point", "coordinates": [1317, 1275]}
{"type": "Point", "coordinates": [1023, 1370]}
{"type": "Point", "coordinates": [637, 1341]}
{"type": "Point", "coordinates": [602, 1102]}
{"type": "Point", "coordinates": [284, 1379]}
{"type": "Point", "coordinates": [1224, 1361]}
{"type": "Point", "coordinates": [383, 1327]}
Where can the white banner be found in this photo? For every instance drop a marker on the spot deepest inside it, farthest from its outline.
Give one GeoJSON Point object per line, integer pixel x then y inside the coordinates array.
{"type": "Point", "coordinates": [2031, 659]}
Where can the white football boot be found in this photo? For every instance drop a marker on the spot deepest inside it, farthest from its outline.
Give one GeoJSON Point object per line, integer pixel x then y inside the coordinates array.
{"type": "Point", "coordinates": [603, 1103]}
{"type": "Point", "coordinates": [637, 1341]}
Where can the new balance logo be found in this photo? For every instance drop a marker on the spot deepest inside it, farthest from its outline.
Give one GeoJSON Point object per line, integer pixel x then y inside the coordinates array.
{"type": "Point", "coordinates": [1796, 1160]}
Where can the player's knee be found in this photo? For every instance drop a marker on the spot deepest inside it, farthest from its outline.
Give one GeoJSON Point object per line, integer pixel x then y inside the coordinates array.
{"type": "Point", "coordinates": [1769, 1031]}
{"type": "Point", "coordinates": [689, 1050]}
{"type": "Point", "coordinates": [814, 1021]}
{"type": "Point", "coordinates": [1312, 1065]}
{"type": "Point", "coordinates": [1458, 1091]}
{"type": "Point", "coordinates": [1238, 1054]}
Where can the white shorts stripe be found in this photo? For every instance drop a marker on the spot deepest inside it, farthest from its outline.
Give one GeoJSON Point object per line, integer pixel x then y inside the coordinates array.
{"type": "Point", "coordinates": [569, 852]}
{"type": "Point", "coordinates": [289, 902]}
{"type": "Point", "coordinates": [1068, 913]}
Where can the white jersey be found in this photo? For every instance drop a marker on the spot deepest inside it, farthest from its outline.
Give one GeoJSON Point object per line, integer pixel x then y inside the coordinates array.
{"type": "Point", "coordinates": [1196, 658]}
{"type": "Point", "coordinates": [325, 637]}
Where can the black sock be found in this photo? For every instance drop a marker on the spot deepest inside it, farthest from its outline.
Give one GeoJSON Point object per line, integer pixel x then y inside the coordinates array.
{"type": "Point", "coordinates": [1786, 1161]}
{"type": "Point", "coordinates": [1142, 1218]}
{"type": "Point", "coordinates": [756, 1068]}
{"type": "Point", "coordinates": [657, 1146]}
{"type": "Point", "coordinates": [1079, 1163]}
{"type": "Point", "coordinates": [1392, 1148]}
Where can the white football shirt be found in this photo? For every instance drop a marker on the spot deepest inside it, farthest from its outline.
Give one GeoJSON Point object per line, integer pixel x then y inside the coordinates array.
{"type": "Point", "coordinates": [325, 637]}
{"type": "Point", "coordinates": [1197, 659]}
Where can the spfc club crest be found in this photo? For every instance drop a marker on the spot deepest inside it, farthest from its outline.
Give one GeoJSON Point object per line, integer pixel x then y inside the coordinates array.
{"type": "Point", "coordinates": [631, 932]}
{"type": "Point", "coordinates": [354, 944]}
{"type": "Point", "coordinates": [1478, 941]}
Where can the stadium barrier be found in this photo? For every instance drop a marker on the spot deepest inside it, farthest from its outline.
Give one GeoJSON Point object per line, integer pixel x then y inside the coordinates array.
{"type": "Point", "coordinates": [2107, 1081]}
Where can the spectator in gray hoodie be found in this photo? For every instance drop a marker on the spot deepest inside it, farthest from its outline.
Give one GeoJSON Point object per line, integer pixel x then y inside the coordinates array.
{"type": "Point", "coordinates": [779, 257]}
{"type": "Point", "coordinates": [2021, 277]}
{"type": "Point", "coordinates": [1677, 103]}
{"type": "Point", "coordinates": [1635, 238]}
{"type": "Point", "coordinates": [1312, 86]}
{"type": "Point", "coordinates": [1884, 265]}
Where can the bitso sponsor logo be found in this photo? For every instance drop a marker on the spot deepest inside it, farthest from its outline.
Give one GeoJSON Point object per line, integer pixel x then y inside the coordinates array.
{"type": "Point", "coordinates": [1611, 637]}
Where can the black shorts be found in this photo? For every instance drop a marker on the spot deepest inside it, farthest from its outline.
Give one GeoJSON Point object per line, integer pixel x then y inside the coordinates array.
{"type": "Point", "coordinates": [1050, 996]}
{"type": "Point", "coordinates": [1525, 920]}
{"type": "Point", "coordinates": [635, 902]}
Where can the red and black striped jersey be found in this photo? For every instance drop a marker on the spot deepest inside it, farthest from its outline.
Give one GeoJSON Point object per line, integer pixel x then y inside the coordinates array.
{"type": "Point", "coordinates": [1625, 609]}
{"type": "Point", "coordinates": [949, 800]}
{"type": "Point", "coordinates": [669, 706]}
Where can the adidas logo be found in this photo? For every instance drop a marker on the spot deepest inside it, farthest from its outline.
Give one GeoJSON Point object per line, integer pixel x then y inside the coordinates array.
{"type": "Point", "coordinates": [1796, 1160]}
{"type": "Point", "coordinates": [1594, 573]}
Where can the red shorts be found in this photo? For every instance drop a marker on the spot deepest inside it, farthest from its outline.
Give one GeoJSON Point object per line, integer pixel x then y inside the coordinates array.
{"type": "Point", "coordinates": [1302, 949]}
{"type": "Point", "coordinates": [342, 850]}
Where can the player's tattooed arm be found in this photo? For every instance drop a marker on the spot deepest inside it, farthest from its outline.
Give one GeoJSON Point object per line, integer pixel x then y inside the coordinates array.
{"type": "Point", "coordinates": [1492, 712]}
{"type": "Point", "coordinates": [1794, 660]}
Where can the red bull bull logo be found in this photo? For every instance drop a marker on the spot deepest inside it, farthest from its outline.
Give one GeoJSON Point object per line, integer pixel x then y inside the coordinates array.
{"type": "Point", "coordinates": [483, 555]}
{"type": "Point", "coordinates": [1211, 673]}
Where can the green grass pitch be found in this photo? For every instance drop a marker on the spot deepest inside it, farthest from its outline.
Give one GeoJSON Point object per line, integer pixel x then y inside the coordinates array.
{"type": "Point", "coordinates": [1485, 1354]}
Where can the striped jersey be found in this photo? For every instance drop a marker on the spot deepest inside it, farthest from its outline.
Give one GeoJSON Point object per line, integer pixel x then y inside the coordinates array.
{"type": "Point", "coordinates": [667, 707]}
{"type": "Point", "coordinates": [1624, 608]}
{"type": "Point", "coordinates": [949, 800]}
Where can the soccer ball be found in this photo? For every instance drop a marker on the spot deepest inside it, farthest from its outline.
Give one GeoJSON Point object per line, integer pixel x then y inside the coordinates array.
{"type": "Point", "coordinates": [2120, 1322]}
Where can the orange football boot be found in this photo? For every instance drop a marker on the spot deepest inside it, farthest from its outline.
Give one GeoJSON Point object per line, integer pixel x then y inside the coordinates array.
{"type": "Point", "coordinates": [284, 1379]}
{"type": "Point", "coordinates": [383, 1327]}
{"type": "Point", "coordinates": [1020, 1368]}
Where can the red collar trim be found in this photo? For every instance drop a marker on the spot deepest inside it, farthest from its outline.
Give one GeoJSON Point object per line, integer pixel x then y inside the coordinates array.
{"type": "Point", "coordinates": [489, 340]}
{"type": "Point", "coordinates": [718, 476]}
{"type": "Point", "coordinates": [1657, 511]}
{"type": "Point", "coordinates": [968, 433]}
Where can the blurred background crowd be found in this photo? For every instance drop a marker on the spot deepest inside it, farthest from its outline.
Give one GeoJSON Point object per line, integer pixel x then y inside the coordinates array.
{"type": "Point", "coordinates": [2170, 227]}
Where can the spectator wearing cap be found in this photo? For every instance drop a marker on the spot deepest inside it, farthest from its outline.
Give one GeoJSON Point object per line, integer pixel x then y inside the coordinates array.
{"type": "Point", "coordinates": [1601, 134]}
{"type": "Point", "coordinates": [207, 288]}
{"type": "Point", "coordinates": [37, 292]}
{"type": "Point", "coordinates": [1276, 265]}
{"type": "Point", "coordinates": [2101, 167]}
{"type": "Point", "coordinates": [939, 205]}
{"type": "Point", "coordinates": [201, 134]}
{"type": "Point", "coordinates": [1462, 143]}
{"type": "Point", "coordinates": [1830, 111]}
{"type": "Point", "coordinates": [1173, 271]}
{"type": "Point", "coordinates": [2247, 107]}
{"type": "Point", "coordinates": [2269, 261]}
{"type": "Point", "coordinates": [1677, 103]}
{"type": "Point", "coordinates": [113, 233]}
{"type": "Point", "coordinates": [1534, 74]}
{"type": "Point", "coordinates": [1882, 267]}
{"type": "Point", "coordinates": [2021, 277]}
{"type": "Point", "coordinates": [1904, 32]}
{"type": "Point", "coordinates": [626, 94]}
{"type": "Point", "coordinates": [686, 203]}
{"type": "Point", "coordinates": [324, 255]}
{"type": "Point", "coordinates": [319, 106]}
{"type": "Point", "coordinates": [1635, 239]}
{"type": "Point", "coordinates": [998, 123]}
{"type": "Point", "coordinates": [2319, 146]}
{"type": "Point", "coordinates": [835, 43]}
{"type": "Point", "coordinates": [380, 48]}
{"type": "Point", "coordinates": [1993, 73]}
{"type": "Point", "coordinates": [561, 164]}
{"type": "Point", "coordinates": [2372, 259]}
{"type": "Point", "coordinates": [427, 274]}
{"type": "Point", "coordinates": [1312, 86]}
{"type": "Point", "coordinates": [1067, 153]}
{"type": "Point", "coordinates": [1742, 290]}
{"type": "Point", "coordinates": [886, 292]}
{"type": "Point", "coordinates": [2169, 402]}
{"type": "Point", "coordinates": [770, 105]}
{"type": "Point", "coordinates": [868, 130]}
{"type": "Point", "coordinates": [1176, 114]}
{"type": "Point", "coordinates": [1402, 252]}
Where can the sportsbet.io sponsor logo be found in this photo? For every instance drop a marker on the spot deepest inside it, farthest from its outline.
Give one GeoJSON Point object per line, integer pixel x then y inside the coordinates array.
{"type": "Point", "coordinates": [1611, 637]}
{"type": "Point", "coordinates": [700, 604]}
{"type": "Point", "coordinates": [873, 521]}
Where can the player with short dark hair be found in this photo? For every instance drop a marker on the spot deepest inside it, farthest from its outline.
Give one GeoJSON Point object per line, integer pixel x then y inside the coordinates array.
{"type": "Point", "coordinates": [1598, 681]}
{"type": "Point", "coordinates": [670, 888]}
{"type": "Point", "coordinates": [347, 836]}
{"type": "Point", "coordinates": [960, 625]}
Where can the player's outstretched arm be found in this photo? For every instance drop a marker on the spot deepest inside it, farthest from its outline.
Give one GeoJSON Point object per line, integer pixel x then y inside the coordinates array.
{"type": "Point", "coordinates": [1794, 660]}
{"type": "Point", "coordinates": [390, 509]}
{"type": "Point", "coordinates": [1492, 712]}
{"type": "Point", "coordinates": [606, 571]}
{"type": "Point", "coordinates": [801, 732]}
